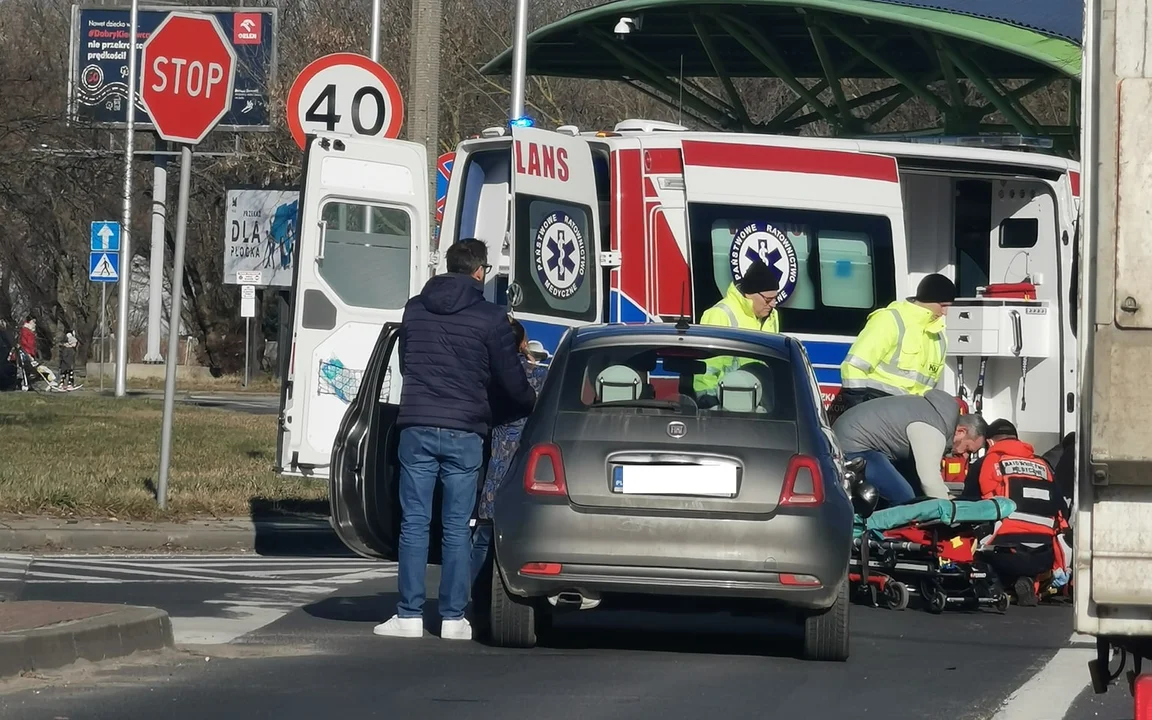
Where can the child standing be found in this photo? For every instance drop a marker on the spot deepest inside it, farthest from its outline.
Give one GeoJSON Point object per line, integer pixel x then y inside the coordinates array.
{"type": "Point", "coordinates": [505, 441]}
{"type": "Point", "coordinates": [68, 360]}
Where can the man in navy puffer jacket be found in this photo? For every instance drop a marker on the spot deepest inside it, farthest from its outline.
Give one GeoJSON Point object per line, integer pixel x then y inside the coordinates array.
{"type": "Point", "coordinates": [455, 347]}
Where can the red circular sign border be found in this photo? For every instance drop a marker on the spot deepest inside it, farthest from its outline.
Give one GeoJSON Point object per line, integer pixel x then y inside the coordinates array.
{"type": "Point", "coordinates": [363, 62]}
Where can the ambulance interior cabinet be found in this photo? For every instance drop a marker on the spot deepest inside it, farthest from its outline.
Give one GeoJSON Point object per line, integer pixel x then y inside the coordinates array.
{"type": "Point", "coordinates": [993, 327]}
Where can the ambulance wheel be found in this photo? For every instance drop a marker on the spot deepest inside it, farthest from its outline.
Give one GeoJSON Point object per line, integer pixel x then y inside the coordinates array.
{"type": "Point", "coordinates": [1001, 602]}
{"type": "Point", "coordinates": [511, 620]}
{"type": "Point", "coordinates": [896, 595]}
{"type": "Point", "coordinates": [826, 633]}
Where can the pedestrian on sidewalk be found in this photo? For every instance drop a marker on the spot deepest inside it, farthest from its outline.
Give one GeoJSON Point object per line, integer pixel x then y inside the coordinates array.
{"type": "Point", "coordinates": [504, 443]}
{"type": "Point", "coordinates": [68, 360]}
{"type": "Point", "coordinates": [455, 347]}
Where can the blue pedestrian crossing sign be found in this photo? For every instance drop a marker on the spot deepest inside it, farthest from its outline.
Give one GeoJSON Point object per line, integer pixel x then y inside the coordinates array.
{"type": "Point", "coordinates": [104, 267]}
{"type": "Point", "coordinates": [105, 236]}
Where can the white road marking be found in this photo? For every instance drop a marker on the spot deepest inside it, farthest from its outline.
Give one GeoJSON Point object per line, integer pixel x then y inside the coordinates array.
{"type": "Point", "coordinates": [1049, 693]}
{"type": "Point", "coordinates": [256, 591]}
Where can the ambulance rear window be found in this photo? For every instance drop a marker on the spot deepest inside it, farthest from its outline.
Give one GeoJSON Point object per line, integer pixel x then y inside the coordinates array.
{"type": "Point", "coordinates": [834, 268]}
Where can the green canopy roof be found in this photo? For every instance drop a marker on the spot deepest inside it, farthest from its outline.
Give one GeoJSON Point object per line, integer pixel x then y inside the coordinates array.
{"type": "Point", "coordinates": [814, 46]}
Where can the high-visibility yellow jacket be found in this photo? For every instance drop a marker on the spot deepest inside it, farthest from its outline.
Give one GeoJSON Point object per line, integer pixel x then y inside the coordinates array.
{"type": "Point", "coordinates": [900, 351]}
{"type": "Point", "coordinates": [734, 311]}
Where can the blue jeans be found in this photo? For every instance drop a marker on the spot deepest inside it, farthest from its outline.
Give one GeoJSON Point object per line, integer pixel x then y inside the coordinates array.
{"type": "Point", "coordinates": [453, 457]}
{"type": "Point", "coordinates": [882, 474]}
{"type": "Point", "coordinates": [481, 546]}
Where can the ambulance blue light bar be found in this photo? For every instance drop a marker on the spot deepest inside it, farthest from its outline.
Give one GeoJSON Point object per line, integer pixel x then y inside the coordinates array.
{"type": "Point", "coordinates": [522, 122]}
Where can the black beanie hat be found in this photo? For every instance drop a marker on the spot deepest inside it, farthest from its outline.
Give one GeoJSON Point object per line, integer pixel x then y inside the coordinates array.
{"type": "Point", "coordinates": [1002, 428]}
{"type": "Point", "coordinates": [936, 288]}
{"type": "Point", "coordinates": [758, 278]}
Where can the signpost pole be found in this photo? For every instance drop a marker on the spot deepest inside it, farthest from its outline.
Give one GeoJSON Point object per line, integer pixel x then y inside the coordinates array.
{"type": "Point", "coordinates": [247, 346]}
{"type": "Point", "coordinates": [519, 60]}
{"type": "Point", "coordinates": [103, 334]}
{"type": "Point", "coordinates": [174, 324]}
{"type": "Point", "coordinates": [125, 281]}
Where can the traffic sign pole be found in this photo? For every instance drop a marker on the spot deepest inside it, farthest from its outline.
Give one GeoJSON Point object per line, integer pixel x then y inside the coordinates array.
{"type": "Point", "coordinates": [126, 228]}
{"type": "Point", "coordinates": [189, 71]}
{"type": "Point", "coordinates": [174, 324]}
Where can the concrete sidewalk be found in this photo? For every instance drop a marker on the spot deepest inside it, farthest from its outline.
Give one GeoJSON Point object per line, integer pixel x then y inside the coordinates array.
{"type": "Point", "coordinates": [45, 635]}
{"type": "Point", "coordinates": [289, 535]}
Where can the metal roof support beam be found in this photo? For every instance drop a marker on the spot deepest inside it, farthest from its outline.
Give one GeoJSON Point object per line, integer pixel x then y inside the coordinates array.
{"type": "Point", "coordinates": [672, 103]}
{"type": "Point", "coordinates": [866, 99]}
{"type": "Point", "coordinates": [1014, 100]}
{"type": "Point", "coordinates": [848, 121]}
{"type": "Point", "coordinates": [737, 103]}
{"type": "Point", "coordinates": [657, 79]}
{"type": "Point", "coordinates": [902, 96]}
{"type": "Point", "coordinates": [762, 50]}
{"type": "Point", "coordinates": [921, 90]}
{"type": "Point", "coordinates": [977, 78]}
{"type": "Point", "coordinates": [797, 105]}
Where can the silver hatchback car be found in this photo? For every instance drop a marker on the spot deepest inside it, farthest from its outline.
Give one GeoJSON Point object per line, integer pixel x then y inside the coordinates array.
{"type": "Point", "coordinates": [664, 466]}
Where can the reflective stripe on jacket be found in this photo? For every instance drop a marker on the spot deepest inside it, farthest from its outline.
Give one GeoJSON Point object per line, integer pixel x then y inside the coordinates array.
{"type": "Point", "coordinates": [1012, 462]}
{"type": "Point", "coordinates": [734, 311]}
{"type": "Point", "coordinates": [900, 351]}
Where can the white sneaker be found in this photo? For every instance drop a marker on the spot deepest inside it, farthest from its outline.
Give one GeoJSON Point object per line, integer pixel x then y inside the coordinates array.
{"type": "Point", "coordinates": [456, 630]}
{"type": "Point", "coordinates": [401, 627]}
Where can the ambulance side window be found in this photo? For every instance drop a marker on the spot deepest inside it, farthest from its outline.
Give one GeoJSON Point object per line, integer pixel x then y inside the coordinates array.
{"type": "Point", "coordinates": [367, 268]}
{"type": "Point", "coordinates": [555, 258]}
{"type": "Point", "coordinates": [835, 267]}
{"type": "Point", "coordinates": [484, 202]}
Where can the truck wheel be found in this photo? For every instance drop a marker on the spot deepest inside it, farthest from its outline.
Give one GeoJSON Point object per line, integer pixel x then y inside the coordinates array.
{"type": "Point", "coordinates": [511, 620]}
{"type": "Point", "coordinates": [826, 634]}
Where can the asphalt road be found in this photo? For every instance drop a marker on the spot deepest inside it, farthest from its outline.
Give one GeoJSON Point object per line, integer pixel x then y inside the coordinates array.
{"type": "Point", "coordinates": [302, 647]}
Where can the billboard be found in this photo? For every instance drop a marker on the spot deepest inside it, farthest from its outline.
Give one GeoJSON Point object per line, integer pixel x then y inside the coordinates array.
{"type": "Point", "coordinates": [98, 69]}
{"type": "Point", "coordinates": [260, 236]}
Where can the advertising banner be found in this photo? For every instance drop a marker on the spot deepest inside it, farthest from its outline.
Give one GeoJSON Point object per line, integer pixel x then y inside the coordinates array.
{"type": "Point", "coordinates": [98, 73]}
{"type": "Point", "coordinates": [260, 237]}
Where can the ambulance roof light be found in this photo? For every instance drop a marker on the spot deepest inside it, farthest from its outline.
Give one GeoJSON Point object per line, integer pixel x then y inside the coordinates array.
{"type": "Point", "coordinates": [522, 121]}
{"type": "Point", "coordinates": [493, 132]}
{"type": "Point", "coordinates": [568, 130]}
{"type": "Point", "coordinates": [648, 126]}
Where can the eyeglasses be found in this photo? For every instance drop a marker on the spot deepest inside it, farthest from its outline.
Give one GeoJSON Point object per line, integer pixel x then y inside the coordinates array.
{"type": "Point", "coordinates": [487, 268]}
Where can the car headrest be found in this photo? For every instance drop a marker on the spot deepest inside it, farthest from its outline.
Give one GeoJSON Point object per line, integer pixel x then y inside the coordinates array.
{"type": "Point", "coordinates": [617, 383]}
{"type": "Point", "coordinates": [740, 391]}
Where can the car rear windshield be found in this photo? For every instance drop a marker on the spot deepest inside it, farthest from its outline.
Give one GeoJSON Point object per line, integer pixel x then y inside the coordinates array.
{"type": "Point", "coordinates": [679, 380]}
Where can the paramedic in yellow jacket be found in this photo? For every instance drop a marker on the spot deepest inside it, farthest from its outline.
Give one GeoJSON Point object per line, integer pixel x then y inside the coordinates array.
{"type": "Point", "coordinates": [902, 348]}
{"type": "Point", "coordinates": [749, 304]}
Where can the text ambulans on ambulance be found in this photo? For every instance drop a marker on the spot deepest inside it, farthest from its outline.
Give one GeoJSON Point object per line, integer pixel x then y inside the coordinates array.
{"type": "Point", "coordinates": [650, 221]}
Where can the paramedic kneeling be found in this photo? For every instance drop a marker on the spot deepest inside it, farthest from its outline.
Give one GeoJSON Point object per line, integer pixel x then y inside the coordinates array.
{"type": "Point", "coordinates": [749, 304]}
{"type": "Point", "coordinates": [901, 349]}
{"type": "Point", "coordinates": [908, 429]}
{"type": "Point", "coordinates": [1027, 542]}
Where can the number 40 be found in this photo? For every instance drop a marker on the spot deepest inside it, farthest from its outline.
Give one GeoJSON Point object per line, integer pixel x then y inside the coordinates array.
{"type": "Point", "coordinates": [329, 118]}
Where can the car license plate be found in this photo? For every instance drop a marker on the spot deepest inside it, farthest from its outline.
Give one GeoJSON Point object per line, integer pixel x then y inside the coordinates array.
{"type": "Point", "coordinates": [712, 480]}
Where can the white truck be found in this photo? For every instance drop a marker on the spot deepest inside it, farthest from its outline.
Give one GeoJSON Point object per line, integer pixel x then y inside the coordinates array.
{"type": "Point", "coordinates": [1113, 519]}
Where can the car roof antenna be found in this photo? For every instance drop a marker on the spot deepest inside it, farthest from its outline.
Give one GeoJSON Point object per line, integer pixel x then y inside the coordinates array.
{"type": "Point", "coordinates": [683, 323]}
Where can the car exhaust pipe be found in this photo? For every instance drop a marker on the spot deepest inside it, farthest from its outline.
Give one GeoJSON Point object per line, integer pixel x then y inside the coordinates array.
{"type": "Point", "coordinates": [574, 600]}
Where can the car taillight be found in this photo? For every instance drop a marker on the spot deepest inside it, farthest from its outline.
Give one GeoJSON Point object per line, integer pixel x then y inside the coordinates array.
{"type": "Point", "coordinates": [1142, 692]}
{"type": "Point", "coordinates": [803, 484]}
{"type": "Point", "coordinates": [544, 474]}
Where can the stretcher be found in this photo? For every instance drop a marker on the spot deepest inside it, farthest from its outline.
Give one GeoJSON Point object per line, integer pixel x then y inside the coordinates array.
{"type": "Point", "coordinates": [929, 549]}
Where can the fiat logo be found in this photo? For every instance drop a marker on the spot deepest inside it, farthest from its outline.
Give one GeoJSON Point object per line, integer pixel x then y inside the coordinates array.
{"type": "Point", "coordinates": [677, 429]}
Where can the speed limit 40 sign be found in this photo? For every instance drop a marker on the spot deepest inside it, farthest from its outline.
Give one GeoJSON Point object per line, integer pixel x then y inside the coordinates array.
{"type": "Point", "coordinates": [345, 93]}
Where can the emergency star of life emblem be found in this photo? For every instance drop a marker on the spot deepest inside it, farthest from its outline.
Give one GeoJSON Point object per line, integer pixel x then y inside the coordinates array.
{"type": "Point", "coordinates": [761, 241]}
{"type": "Point", "coordinates": [560, 254]}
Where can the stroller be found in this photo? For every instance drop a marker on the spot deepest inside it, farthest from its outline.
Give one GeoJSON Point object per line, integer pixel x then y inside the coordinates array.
{"type": "Point", "coordinates": [931, 549]}
{"type": "Point", "coordinates": [31, 372]}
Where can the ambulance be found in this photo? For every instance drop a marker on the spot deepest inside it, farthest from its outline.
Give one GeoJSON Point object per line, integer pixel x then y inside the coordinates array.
{"type": "Point", "coordinates": [650, 221]}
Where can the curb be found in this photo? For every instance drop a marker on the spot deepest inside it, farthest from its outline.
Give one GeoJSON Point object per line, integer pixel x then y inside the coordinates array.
{"type": "Point", "coordinates": [260, 537]}
{"type": "Point", "coordinates": [104, 637]}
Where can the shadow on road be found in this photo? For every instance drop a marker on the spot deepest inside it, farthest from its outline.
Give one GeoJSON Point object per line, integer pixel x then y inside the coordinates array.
{"type": "Point", "coordinates": [295, 527]}
{"type": "Point", "coordinates": [628, 630]}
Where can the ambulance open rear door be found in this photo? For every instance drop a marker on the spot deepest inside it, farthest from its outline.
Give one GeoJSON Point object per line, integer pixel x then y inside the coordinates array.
{"type": "Point", "coordinates": [555, 278]}
{"type": "Point", "coordinates": [362, 253]}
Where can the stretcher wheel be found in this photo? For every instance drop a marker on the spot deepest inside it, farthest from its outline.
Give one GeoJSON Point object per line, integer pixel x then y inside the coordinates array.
{"type": "Point", "coordinates": [896, 595]}
{"type": "Point", "coordinates": [1002, 601]}
{"type": "Point", "coordinates": [935, 598]}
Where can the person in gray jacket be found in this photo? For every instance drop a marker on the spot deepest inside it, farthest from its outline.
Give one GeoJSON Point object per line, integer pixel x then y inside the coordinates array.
{"type": "Point", "coordinates": [908, 429]}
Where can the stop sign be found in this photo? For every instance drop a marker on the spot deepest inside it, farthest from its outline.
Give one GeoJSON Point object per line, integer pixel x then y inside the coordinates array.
{"type": "Point", "coordinates": [187, 71]}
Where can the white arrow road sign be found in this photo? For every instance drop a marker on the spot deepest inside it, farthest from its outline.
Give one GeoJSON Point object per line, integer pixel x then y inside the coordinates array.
{"type": "Point", "coordinates": [105, 236]}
